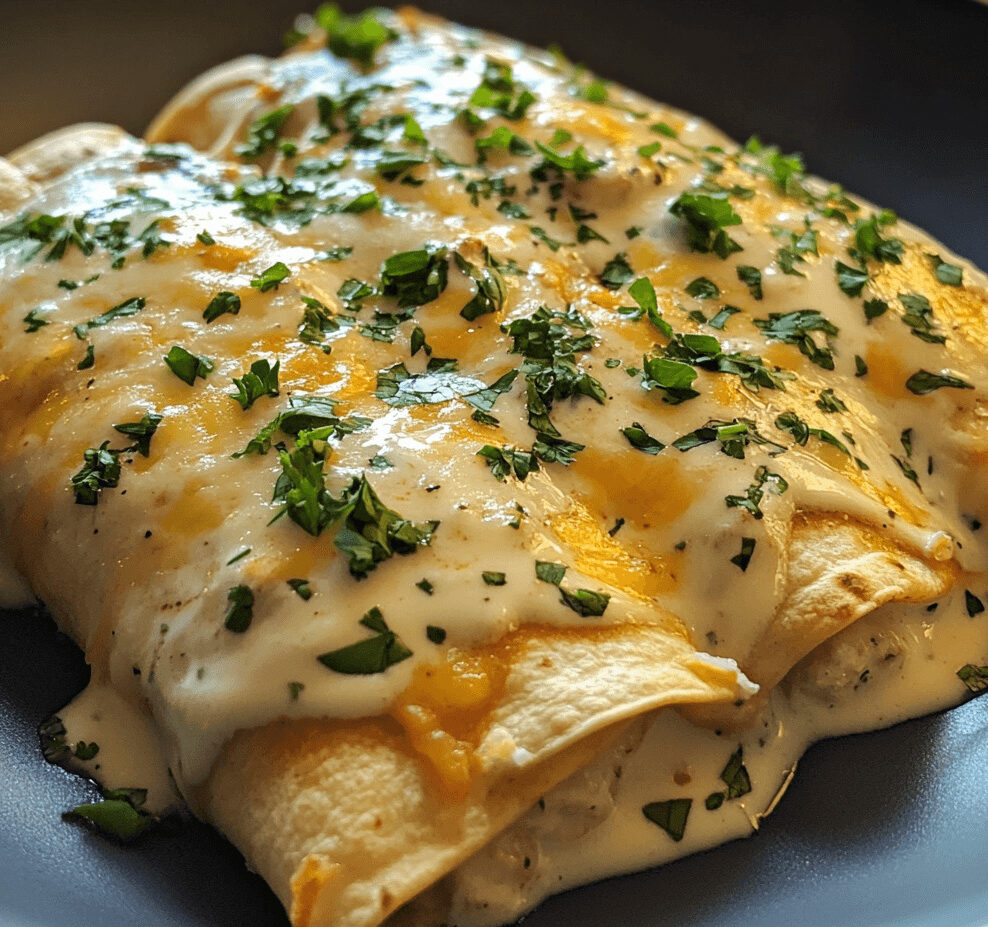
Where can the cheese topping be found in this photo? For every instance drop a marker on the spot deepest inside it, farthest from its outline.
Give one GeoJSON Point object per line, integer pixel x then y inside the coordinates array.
{"type": "Point", "coordinates": [459, 345]}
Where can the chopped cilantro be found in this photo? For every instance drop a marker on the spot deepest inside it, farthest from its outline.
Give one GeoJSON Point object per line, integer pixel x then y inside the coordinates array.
{"type": "Point", "coordinates": [638, 437]}
{"type": "Point", "coordinates": [577, 163]}
{"type": "Point", "coordinates": [34, 318]}
{"type": "Point", "coordinates": [435, 634]}
{"type": "Point", "coordinates": [88, 359]}
{"type": "Point", "coordinates": [870, 243]}
{"type": "Point", "coordinates": [670, 815]}
{"type": "Point", "coordinates": [187, 366]}
{"type": "Point", "coordinates": [357, 37]}
{"type": "Point", "coordinates": [829, 403]}
{"type": "Point", "coordinates": [585, 602]}
{"type": "Point", "coordinates": [241, 611]}
{"type": "Point", "coordinates": [703, 288]}
{"type": "Point", "coordinates": [974, 605]}
{"type": "Point", "coordinates": [415, 277]}
{"type": "Point", "coordinates": [221, 303]}
{"type": "Point", "coordinates": [143, 431]}
{"type": "Point", "coordinates": [801, 432]}
{"type": "Point", "coordinates": [491, 291]}
{"type": "Point", "coordinates": [795, 327]}
{"type": "Point", "coordinates": [260, 380]}
{"type": "Point", "coordinates": [263, 133]}
{"type": "Point", "coordinates": [751, 500]}
{"type": "Point", "coordinates": [271, 278]}
{"type": "Point", "coordinates": [923, 382]}
{"type": "Point", "coordinates": [617, 272]}
{"type": "Point", "coordinates": [503, 461]}
{"type": "Point", "coordinates": [371, 655]}
{"type": "Point", "coordinates": [125, 309]}
{"type": "Point", "coordinates": [550, 572]}
{"type": "Point", "coordinates": [118, 814]}
{"type": "Point", "coordinates": [947, 274]}
{"type": "Point", "coordinates": [492, 578]}
{"type": "Point", "coordinates": [101, 470]}
{"type": "Point", "coordinates": [851, 280]}
{"type": "Point", "coordinates": [735, 776]}
{"type": "Point", "coordinates": [720, 318]}
{"type": "Point", "coordinates": [301, 588]}
{"type": "Point", "coordinates": [974, 677]}
{"type": "Point", "coordinates": [742, 559]}
{"type": "Point", "coordinates": [369, 531]}
{"type": "Point", "coordinates": [706, 217]}
{"type": "Point", "coordinates": [751, 277]}
{"type": "Point", "coordinates": [873, 308]}
{"type": "Point", "coordinates": [919, 317]}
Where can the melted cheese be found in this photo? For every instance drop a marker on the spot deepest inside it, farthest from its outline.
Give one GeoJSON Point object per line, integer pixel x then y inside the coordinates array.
{"type": "Point", "coordinates": [656, 533]}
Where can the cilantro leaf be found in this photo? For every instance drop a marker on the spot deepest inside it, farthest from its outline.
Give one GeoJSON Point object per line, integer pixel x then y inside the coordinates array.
{"type": "Point", "coordinates": [260, 380]}
{"type": "Point", "coordinates": [357, 37]}
{"type": "Point", "coordinates": [241, 611]}
{"type": "Point", "coordinates": [670, 815]}
{"type": "Point", "coordinates": [143, 430]}
{"type": "Point", "coordinates": [742, 559]}
{"type": "Point", "coordinates": [221, 303]}
{"type": "Point", "coordinates": [735, 776]}
{"type": "Point", "coordinates": [795, 327]}
{"type": "Point", "coordinates": [643, 293]}
{"type": "Point", "coordinates": [751, 277]}
{"type": "Point", "coordinates": [125, 309]}
{"type": "Point", "coordinates": [751, 500]}
{"type": "Point", "coordinates": [549, 572]}
{"type": "Point", "coordinates": [187, 366]}
{"type": "Point", "coordinates": [263, 132]}
{"type": "Point", "coordinates": [101, 470]}
{"type": "Point", "coordinates": [585, 602]}
{"type": "Point", "coordinates": [706, 217]}
{"type": "Point", "coordinates": [947, 274]}
{"type": "Point", "coordinates": [371, 655]}
{"type": "Point", "coordinates": [923, 382]}
{"type": "Point", "coordinates": [638, 437]}
{"type": "Point", "coordinates": [974, 677]}
{"type": "Point", "coordinates": [491, 291]}
{"type": "Point", "coordinates": [617, 272]}
{"type": "Point", "coordinates": [369, 531]}
{"type": "Point", "coordinates": [703, 288]}
{"type": "Point", "coordinates": [919, 317]}
{"type": "Point", "coordinates": [505, 460]}
{"type": "Point", "coordinates": [115, 817]}
{"type": "Point", "coordinates": [851, 280]}
{"type": "Point", "coordinates": [271, 278]}
{"type": "Point", "coordinates": [415, 277]}
{"type": "Point", "coordinates": [577, 163]}
{"type": "Point", "coordinates": [871, 244]}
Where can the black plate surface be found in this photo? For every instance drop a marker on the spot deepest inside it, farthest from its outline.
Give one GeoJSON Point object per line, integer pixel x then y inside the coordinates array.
{"type": "Point", "coordinates": [887, 97]}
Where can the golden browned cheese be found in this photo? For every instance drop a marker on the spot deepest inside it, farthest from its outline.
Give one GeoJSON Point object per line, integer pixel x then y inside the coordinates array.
{"type": "Point", "coordinates": [404, 429]}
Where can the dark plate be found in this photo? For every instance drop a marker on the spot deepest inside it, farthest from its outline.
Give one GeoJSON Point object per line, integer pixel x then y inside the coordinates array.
{"type": "Point", "coordinates": [886, 97]}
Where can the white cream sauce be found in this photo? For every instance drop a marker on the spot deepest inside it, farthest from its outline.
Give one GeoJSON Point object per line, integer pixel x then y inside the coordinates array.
{"type": "Point", "coordinates": [894, 665]}
{"type": "Point", "coordinates": [141, 579]}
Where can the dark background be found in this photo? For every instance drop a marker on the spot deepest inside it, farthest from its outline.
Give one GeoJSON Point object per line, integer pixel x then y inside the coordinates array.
{"type": "Point", "coordinates": [887, 97]}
